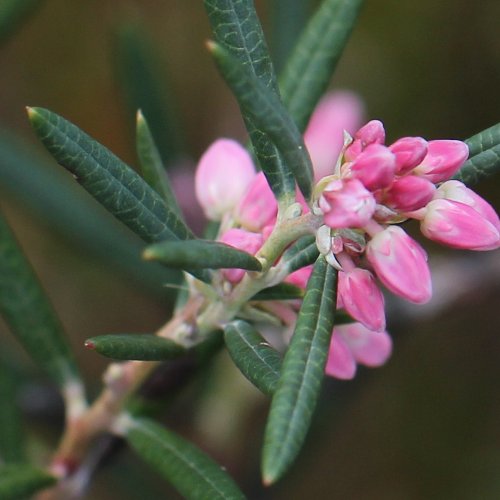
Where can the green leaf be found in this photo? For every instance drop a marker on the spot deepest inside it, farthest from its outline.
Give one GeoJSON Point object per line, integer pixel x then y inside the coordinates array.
{"type": "Point", "coordinates": [315, 57]}
{"type": "Point", "coordinates": [21, 481]}
{"type": "Point", "coordinates": [201, 254]}
{"type": "Point", "coordinates": [137, 346]}
{"type": "Point", "coordinates": [268, 114]}
{"type": "Point", "coordinates": [13, 13]}
{"type": "Point", "coordinates": [253, 355]}
{"type": "Point", "coordinates": [187, 468]}
{"type": "Point", "coordinates": [484, 156]}
{"type": "Point", "coordinates": [47, 192]}
{"type": "Point", "coordinates": [293, 404]}
{"type": "Point", "coordinates": [140, 74]}
{"type": "Point", "coordinates": [236, 27]}
{"type": "Point", "coordinates": [115, 185]}
{"type": "Point", "coordinates": [288, 18]}
{"type": "Point", "coordinates": [302, 253]}
{"type": "Point", "coordinates": [152, 168]}
{"type": "Point", "coordinates": [11, 432]}
{"type": "Point", "coordinates": [28, 312]}
{"type": "Point", "coordinates": [283, 291]}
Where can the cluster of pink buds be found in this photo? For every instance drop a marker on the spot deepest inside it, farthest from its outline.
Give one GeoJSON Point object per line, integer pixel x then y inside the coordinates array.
{"type": "Point", "coordinates": [364, 190]}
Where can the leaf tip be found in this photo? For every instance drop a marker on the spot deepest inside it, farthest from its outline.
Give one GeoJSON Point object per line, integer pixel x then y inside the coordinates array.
{"type": "Point", "coordinates": [89, 344]}
{"type": "Point", "coordinates": [139, 117]}
{"type": "Point", "coordinates": [148, 254]}
{"type": "Point", "coordinates": [211, 46]}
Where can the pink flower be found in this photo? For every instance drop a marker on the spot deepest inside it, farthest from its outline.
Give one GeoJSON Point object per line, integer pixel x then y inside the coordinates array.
{"type": "Point", "coordinates": [409, 193]}
{"type": "Point", "coordinates": [259, 207]}
{"type": "Point", "coordinates": [242, 240]}
{"type": "Point", "coordinates": [324, 136]}
{"type": "Point", "coordinates": [409, 152]}
{"type": "Point", "coordinates": [346, 203]}
{"type": "Point", "coordinates": [353, 344]}
{"type": "Point", "coordinates": [459, 226]}
{"type": "Point", "coordinates": [223, 175]}
{"type": "Point", "coordinates": [401, 264]}
{"type": "Point", "coordinates": [374, 167]}
{"type": "Point", "coordinates": [362, 298]}
{"type": "Point", "coordinates": [443, 159]}
{"type": "Point", "coordinates": [371, 133]}
{"type": "Point", "coordinates": [300, 277]}
{"type": "Point", "coordinates": [457, 191]}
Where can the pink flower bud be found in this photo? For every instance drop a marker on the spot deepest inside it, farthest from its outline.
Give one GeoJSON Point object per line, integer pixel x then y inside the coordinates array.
{"type": "Point", "coordinates": [340, 362]}
{"type": "Point", "coordinates": [371, 133]}
{"type": "Point", "coordinates": [346, 203]}
{"type": "Point", "coordinates": [259, 207]}
{"type": "Point", "coordinates": [324, 136]}
{"type": "Point", "coordinates": [443, 159]}
{"type": "Point", "coordinates": [401, 264]}
{"type": "Point", "coordinates": [367, 347]}
{"type": "Point", "coordinates": [223, 175]}
{"type": "Point", "coordinates": [362, 298]}
{"type": "Point", "coordinates": [409, 193]}
{"type": "Point", "coordinates": [459, 226]}
{"type": "Point", "coordinates": [409, 152]}
{"type": "Point", "coordinates": [374, 167]}
{"type": "Point", "coordinates": [457, 191]}
{"type": "Point", "coordinates": [242, 240]}
{"type": "Point", "coordinates": [300, 277]}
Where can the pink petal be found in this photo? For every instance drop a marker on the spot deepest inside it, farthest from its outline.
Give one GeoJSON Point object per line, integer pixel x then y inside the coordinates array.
{"type": "Point", "coordinates": [374, 167]}
{"type": "Point", "coordinates": [409, 193]}
{"type": "Point", "coordinates": [409, 152]}
{"type": "Point", "coordinates": [223, 175]}
{"type": "Point", "coordinates": [340, 363]}
{"type": "Point", "coordinates": [401, 264]}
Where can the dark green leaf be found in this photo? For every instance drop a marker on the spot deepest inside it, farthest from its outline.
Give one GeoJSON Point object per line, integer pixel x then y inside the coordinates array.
{"type": "Point", "coordinates": [115, 185]}
{"type": "Point", "coordinates": [315, 57]}
{"type": "Point", "coordinates": [137, 346]}
{"type": "Point", "coordinates": [140, 73]}
{"type": "Point", "coordinates": [13, 13]}
{"type": "Point", "coordinates": [293, 404]}
{"type": "Point", "coordinates": [288, 18]}
{"type": "Point", "coordinates": [21, 481]}
{"type": "Point", "coordinates": [187, 468]}
{"type": "Point", "coordinates": [253, 355]}
{"type": "Point", "coordinates": [201, 254]}
{"type": "Point", "coordinates": [152, 167]}
{"type": "Point", "coordinates": [236, 27]}
{"type": "Point", "coordinates": [484, 156]}
{"type": "Point", "coordinates": [268, 114]}
{"type": "Point", "coordinates": [283, 291]}
{"type": "Point", "coordinates": [48, 192]}
{"type": "Point", "coordinates": [11, 432]}
{"type": "Point", "coordinates": [29, 313]}
{"type": "Point", "coordinates": [302, 253]}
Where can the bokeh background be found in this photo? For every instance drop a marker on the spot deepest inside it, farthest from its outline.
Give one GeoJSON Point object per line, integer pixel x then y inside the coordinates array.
{"type": "Point", "coordinates": [424, 426]}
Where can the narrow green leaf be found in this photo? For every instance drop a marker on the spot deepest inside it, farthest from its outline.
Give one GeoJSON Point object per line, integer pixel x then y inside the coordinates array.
{"type": "Point", "coordinates": [484, 156]}
{"type": "Point", "coordinates": [293, 404]}
{"type": "Point", "coordinates": [115, 185]}
{"type": "Point", "coordinates": [28, 312]}
{"type": "Point", "coordinates": [201, 254]}
{"type": "Point", "coordinates": [21, 481]}
{"type": "Point", "coordinates": [13, 13]}
{"type": "Point", "coordinates": [283, 291]}
{"type": "Point", "coordinates": [152, 168]}
{"type": "Point", "coordinates": [11, 432]}
{"type": "Point", "coordinates": [47, 192]}
{"type": "Point", "coordinates": [267, 114]}
{"type": "Point", "coordinates": [140, 72]}
{"type": "Point", "coordinates": [236, 27]}
{"type": "Point", "coordinates": [137, 346]}
{"type": "Point", "coordinates": [253, 355]}
{"type": "Point", "coordinates": [288, 18]}
{"type": "Point", "coordinates": [303, 252]}
{"type": "Point", "coordinates": [187, 468]}
{"type": "Point", "coordinates": [315, 57]}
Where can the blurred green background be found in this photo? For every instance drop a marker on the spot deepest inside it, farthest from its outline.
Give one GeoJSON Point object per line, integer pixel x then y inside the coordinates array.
{"type": "Point", "coordinates": [424, 426]}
